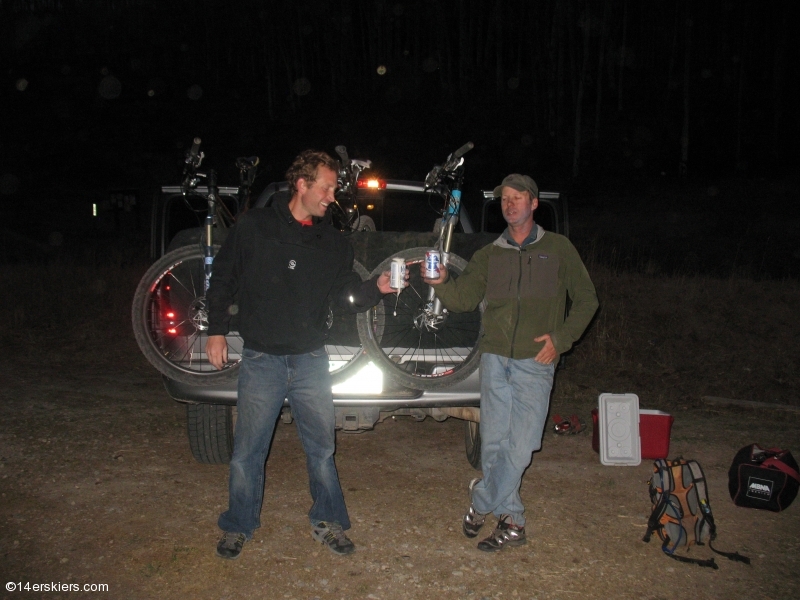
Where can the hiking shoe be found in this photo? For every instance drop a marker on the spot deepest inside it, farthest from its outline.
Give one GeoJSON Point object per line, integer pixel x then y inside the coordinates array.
{"type": "Point", "coordinates": [230, 545]}
{"type": "Point", "coordinates": [332, 536]}
{"type": "Point", "coordinates": [505, 534]}
{"type": "Point", "coordinates": [473, 520]}
{"type": "Point", "coordinates": [472, 484]}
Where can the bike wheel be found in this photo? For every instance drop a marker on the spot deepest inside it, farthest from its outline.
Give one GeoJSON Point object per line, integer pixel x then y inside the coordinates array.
{"type": "Point", "coordinates": [410, 348]}
{"type": "Point", "coordinates": [170, 320]}
{"type": "Point", "coordinates": [343, 344]}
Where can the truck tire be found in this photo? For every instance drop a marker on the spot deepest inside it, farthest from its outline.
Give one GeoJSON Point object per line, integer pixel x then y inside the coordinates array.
{"type": "Point", "coordinates": [210, 429]}
{"type": "Point", "coordinates": [472, 443]}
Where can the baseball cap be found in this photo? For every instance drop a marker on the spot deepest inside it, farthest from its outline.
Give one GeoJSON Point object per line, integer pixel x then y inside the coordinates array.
{"type": "Point", "coordinates": [521, 183]}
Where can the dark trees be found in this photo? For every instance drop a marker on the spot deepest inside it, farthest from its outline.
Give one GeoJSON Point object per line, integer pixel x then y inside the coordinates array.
{"type": "Point", "coordinates": [536, 65]}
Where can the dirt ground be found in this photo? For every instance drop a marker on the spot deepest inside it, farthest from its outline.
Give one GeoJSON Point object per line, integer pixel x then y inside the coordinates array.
{"type": "Point", "coordinates": [99, 487]}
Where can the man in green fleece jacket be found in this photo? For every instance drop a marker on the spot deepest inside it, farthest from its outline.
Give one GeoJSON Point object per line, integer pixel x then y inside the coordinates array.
{"type": "Point", "coordinates": [524, 277]}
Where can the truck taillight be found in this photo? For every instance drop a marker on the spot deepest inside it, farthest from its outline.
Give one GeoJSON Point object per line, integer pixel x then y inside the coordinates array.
{"type": "Point", "coordinates": [371, 184]}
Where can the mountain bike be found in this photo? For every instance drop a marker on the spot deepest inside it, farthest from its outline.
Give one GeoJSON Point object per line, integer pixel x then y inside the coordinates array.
{"type": "Point", "coordinates": [415, 340]}
{"type": "Point", "coordinates": [170, 310]}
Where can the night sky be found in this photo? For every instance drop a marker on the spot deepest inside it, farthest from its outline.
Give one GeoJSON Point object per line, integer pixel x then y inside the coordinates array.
{"type": "Point", "coordinates": [598, 98]}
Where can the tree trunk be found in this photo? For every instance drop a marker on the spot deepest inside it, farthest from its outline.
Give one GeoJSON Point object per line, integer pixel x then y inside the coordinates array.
{"type": "Point", "coordinates": [463, 52]}
{"type": "Point", "coordinates": [687, 62]}
{"type": "Point", "coordinates": [498, 25]}
{"type": "Point", "coordinates": [552, 73]}
{"type": "Point", "coordinates": [581, 85]}
{"type": "Point", "coordinates": [671, 83]}
{"type": "Point", "coordinates": [598, 106]}
{"type": "Point", "coordinates": [573, 44]}
{"type": "Point", "coordinates": [622, 55]}
{"type": "Point", "coordinates": [779, 70]}
{"type": "Point", "coordinates": [561, 74]}
{"type": "Point", "coordinates": [739, 165]}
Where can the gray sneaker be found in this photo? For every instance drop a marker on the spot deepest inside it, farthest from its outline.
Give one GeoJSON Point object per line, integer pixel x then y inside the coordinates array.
{"type": "Point", "coordinates": [332, 535]}
{"type": "Point", "coordinates": [473, 520]}
{"type": "Point", "coordinates": [505, 534]}
{"type": "Point", "coordinates": [472, 483]}
{"type": "Point", "coordinates": [230, 545]}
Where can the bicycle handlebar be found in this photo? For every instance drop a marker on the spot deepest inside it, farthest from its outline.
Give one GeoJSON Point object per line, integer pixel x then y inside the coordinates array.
{"type": "Point", "coordinates": [195, 147]}
{"type": "Point", "coordinates": [454, 160]}
{"type": "Point", "coordinates": [193, 159]}
{"type": "Point", "coordinates": [342, 152]}
{"type": "Point", "coordinates": [463, 150]}
{"type": "Point", "coordinates": [448, 169]}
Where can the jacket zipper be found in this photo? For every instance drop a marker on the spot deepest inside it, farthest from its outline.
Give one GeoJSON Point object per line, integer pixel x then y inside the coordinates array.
{"type": "Point", "coordinates": [519, 304]}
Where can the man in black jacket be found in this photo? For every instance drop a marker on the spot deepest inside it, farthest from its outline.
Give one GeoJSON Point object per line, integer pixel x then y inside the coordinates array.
{"type": "Point", "coordinates": [278, 270]}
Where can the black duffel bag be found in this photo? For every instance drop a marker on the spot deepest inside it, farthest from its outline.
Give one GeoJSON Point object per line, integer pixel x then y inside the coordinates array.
{"type": "Point", "coordinates": [765, 479]}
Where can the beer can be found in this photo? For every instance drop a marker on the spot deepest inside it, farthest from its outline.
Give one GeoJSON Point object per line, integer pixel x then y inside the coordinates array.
{"type": "Point", "coordinates": [432, 262]}
{"type": "Point", "coordinates": [398, 273]}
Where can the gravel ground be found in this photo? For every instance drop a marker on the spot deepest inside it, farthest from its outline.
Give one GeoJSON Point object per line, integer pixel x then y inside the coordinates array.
{"type": "Point", "coordinates": [99, 487]}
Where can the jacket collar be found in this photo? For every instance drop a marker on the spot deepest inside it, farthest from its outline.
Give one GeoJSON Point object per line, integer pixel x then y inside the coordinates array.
{"type": "Point", "coordinates": [281, 204]}
{"type": "Point", "coordinates": [506, 241]}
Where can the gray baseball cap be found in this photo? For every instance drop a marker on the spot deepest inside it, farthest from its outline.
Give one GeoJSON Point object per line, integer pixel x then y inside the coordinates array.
{"type": "Point", "coordinates": [521, 183]}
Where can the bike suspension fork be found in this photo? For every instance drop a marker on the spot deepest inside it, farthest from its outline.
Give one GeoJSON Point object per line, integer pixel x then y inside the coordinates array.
{"type": "Point", "coordinates": [208, 247]}
{"type": "Point", "coordinates": [451, 217]}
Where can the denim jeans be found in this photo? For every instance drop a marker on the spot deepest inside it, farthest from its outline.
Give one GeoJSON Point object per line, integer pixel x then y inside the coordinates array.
{"type": "Point", "coordinates": [515, 397]}
{"type": "Point", "coordinates": [264, 381]}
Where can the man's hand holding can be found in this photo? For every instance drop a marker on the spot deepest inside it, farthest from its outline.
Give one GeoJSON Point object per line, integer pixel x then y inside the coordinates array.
{"type": "Point", "coordinates": [442, 277]}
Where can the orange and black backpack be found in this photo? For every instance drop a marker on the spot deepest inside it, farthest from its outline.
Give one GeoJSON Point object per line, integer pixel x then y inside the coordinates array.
{"type": "Point", "coordinates": [681, 511]}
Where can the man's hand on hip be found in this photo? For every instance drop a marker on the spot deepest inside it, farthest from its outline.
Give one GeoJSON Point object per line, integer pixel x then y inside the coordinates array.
{"type": "Point", "coordinates": [548, 352]}
{"type": "Point", "coordinates": [217, 350]}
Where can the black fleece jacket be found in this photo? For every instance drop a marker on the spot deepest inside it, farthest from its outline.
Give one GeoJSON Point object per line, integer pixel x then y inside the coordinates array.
{"type": "Point", "coordinates": [280, 278]}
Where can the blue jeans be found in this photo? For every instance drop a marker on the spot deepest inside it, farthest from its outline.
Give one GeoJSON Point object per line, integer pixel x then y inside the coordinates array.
{"type": "Point", "coordinates": [265, 380]}
{"type": "Point", "coordinates": [515, 397]}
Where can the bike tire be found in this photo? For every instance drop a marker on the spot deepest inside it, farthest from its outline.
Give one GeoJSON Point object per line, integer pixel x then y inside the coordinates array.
{"type": "Point", "coordinates": [413, 356]}
{"type": "Point", "coordinates": [169, 317]}
{"type": "Point", "coordinates": [182, 357]}
{"type": "Point", "coordinates": [343, 344]}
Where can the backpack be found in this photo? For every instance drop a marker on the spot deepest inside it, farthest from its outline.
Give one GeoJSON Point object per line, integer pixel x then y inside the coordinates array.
{"type": "Point", "coordinates": [681, 511]}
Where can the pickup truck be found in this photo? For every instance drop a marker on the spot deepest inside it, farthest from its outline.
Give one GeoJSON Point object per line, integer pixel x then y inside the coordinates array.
{"type": "Point", "coordinates": [395, 215]}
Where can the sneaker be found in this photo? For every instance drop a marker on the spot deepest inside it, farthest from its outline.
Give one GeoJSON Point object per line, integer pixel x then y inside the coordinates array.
{"type": "Point", "coordinates": [472, 484]}
{"type": "Point", "coordinates": [332, 536]}
{"type": "Point", "coordinates": [230, 545]}
{"type": "Point", "coordinates": [505, 534]}
{"type": "Point", "coordinates": [473, 521]}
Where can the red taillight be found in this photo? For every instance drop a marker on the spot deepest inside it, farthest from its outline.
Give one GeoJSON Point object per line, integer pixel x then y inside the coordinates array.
{"type": "Point", "coordinates": [371, 184]}
{"type": "Point", "coordinates": [172, 331]}
{"type": "Point", "coordinates": [170, 315]}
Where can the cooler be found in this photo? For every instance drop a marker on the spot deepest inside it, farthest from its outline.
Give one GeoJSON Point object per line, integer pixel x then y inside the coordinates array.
{"type": "Point", "coordinates": [655, 428]}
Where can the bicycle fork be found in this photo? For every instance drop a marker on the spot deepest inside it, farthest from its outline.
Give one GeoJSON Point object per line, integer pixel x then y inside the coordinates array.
{"type": "Point", "coordinates": [434, 313]}
{"type": "Point", "coordinates": [208, 248]}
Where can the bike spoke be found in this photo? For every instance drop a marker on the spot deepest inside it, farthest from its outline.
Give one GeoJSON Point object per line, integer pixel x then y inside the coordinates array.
{"type": "Point", "coordinates": [179, 280]}
{"type": "Point", "coordinates": [179, 350]}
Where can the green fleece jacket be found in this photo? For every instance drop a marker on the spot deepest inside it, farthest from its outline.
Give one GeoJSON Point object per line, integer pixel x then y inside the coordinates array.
{"type": "Point", "coordinates": [525, 292]}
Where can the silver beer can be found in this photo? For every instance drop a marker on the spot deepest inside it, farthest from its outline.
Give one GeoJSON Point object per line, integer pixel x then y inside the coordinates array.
{"type": "Point", "coordinates": [432, 262]}
{"type": "Point", "coordinates": [398, 273]}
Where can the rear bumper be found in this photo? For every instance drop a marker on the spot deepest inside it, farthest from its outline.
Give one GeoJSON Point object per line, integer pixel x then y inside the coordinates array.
{"type": "Point", "coordinates": [464, 393]}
